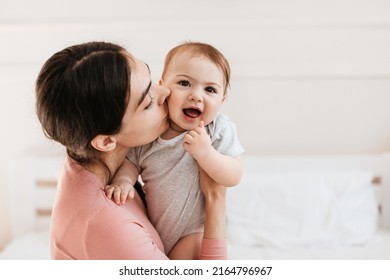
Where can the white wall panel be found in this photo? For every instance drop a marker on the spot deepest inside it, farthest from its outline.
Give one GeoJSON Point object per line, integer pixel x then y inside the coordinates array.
{"type": "Point", "coordinates": [87, 10]}
{"type": "Point", "coordinates": [311, 116]}
{"type": "Point", "coordinates": [254, 49]}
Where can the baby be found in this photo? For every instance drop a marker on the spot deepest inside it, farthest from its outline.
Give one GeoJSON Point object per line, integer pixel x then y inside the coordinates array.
{"type": "Point", "coordinates": [199, 137]}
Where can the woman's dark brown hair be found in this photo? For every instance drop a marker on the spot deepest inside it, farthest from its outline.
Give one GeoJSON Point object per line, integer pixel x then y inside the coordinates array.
{"type": "Point", "coordinates": [81, 92]}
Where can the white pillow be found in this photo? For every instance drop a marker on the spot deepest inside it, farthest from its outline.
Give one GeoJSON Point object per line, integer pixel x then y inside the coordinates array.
{"type": "Point", "coordinates": [302, 209]}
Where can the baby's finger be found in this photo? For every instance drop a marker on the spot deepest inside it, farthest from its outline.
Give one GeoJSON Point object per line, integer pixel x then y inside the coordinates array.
{"type": "Point", "coordinates": [109, 190]}
{"type": "Point", "coordinates": [117, 196]}
{"type": "Point", "coordinates": [123, 197]}
{"type": "Point", "coordinates": [188, 138]}
{"type": "Point", "coordinates": [200, 129]}
{"type": "Point", "coordinates": [193, 133]}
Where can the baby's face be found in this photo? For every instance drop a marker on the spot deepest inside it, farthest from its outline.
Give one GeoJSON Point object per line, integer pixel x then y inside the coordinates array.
{"type": "Point", "coordinates": [197, 87]}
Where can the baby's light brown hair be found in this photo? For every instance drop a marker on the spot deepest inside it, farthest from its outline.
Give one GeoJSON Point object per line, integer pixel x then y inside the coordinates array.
{"type": "Point", "coordinates": [201, 49]}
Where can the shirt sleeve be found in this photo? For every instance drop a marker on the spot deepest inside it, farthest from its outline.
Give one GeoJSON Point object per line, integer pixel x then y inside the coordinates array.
{"type": "Point", "coordinates": [213, 249]}
{"type": "Point", "coordinates": [224, 136]}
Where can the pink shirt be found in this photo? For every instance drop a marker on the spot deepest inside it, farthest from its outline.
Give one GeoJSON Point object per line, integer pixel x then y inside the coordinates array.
{"type": "Point", "coordinates": [85, 224]}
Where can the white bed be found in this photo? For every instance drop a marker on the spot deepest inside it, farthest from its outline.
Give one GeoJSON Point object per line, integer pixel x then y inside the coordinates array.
{"type": "Point", "coordinates": [311, 208]}
{"type": "Point", "coordinates": [285, 208]}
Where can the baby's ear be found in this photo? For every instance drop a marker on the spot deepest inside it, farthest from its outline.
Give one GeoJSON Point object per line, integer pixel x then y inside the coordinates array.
{"type": "Point", "coordinates": [224, 97]}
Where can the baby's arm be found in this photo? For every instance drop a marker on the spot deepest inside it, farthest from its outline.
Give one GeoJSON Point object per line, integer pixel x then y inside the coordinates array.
{"type": "Point", "coordinates": [224, 170]}
{"type": "Point", "coordinates": [122, 185]}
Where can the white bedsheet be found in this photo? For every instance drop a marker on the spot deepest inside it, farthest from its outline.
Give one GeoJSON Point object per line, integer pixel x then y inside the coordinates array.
{"type": "Point", "coordinates": [30, 246]}
{"type": "Point", "coordinates": [305, 215]}
{"type": "Point", "coordinates": [378, 248]}
{"type": "Point", "coordinates": [35, 246]}
{"type": "Point", "coordinates": [302, 209]}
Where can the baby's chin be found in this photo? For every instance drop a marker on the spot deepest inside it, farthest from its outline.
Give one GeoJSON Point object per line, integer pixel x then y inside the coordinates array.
{"type": "Point", "coordinates": [186, 126]}
{"type": "Point", "coordinates": [194, 126]}
{"type": "Point", "coordinates": [189, 127]}
{"type": "Point", "coordinates": [174, 126]}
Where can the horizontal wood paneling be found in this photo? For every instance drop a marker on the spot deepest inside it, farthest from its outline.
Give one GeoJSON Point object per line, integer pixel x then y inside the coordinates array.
{"type": "Point", "coordinates": [87, 10]}
{"type": "Point", "coordinates": [254, 49]}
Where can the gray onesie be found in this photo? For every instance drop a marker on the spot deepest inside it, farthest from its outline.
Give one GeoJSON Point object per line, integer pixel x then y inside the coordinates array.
{"type": "Point", "coordinates": [175, 201]}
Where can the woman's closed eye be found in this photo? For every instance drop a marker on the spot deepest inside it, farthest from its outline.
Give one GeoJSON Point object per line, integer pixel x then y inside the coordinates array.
{"type": "Point", "coordinates": [151, 103]}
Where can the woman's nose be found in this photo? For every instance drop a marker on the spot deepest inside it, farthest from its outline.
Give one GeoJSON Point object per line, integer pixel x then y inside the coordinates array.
{"type": "Point", "coordinates": [162, 95]}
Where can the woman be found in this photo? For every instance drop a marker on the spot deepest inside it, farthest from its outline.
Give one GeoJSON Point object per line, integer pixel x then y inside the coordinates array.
{"type": "Point", "coordinates": [98, 101]}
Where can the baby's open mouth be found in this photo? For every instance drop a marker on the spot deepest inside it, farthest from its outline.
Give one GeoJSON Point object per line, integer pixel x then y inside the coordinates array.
{"type": "Point", "coordinates": [192, 112]}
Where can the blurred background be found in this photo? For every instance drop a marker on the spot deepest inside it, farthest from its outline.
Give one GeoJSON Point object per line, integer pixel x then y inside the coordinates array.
{"type": "Point", "coordinates": [308, 77]}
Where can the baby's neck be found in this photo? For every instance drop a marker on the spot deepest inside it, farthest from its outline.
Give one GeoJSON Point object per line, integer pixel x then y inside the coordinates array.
{"type": "Point", "coordinates": [171, 132]}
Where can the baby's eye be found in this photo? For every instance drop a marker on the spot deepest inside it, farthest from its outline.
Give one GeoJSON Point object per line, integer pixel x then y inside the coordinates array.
{"type": "Point", "coordinates": [211, 90]}
{"type": "Point", "coordinates": [184, 83]}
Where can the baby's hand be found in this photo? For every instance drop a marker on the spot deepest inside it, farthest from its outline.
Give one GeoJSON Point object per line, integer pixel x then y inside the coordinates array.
{"type": "Point", "coordinates": [120, 191]}
{"type": "Point", "coordinates": [197, 142]}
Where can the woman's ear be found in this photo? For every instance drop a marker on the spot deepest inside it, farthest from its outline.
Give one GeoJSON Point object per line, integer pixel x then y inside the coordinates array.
{"type": "Point", "coordinates": [104, 143]}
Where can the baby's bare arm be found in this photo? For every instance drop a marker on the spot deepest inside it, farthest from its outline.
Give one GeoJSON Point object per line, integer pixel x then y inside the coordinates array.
{"type": "Point", "coordinates": [122, 185]}
{"type": "Point", "coordinates": [224, 170]}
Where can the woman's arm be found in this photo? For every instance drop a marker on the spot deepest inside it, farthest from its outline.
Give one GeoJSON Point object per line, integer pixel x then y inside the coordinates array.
{"type": "Point", "coordinates": [215, 205]}
{"type": "Point", "coordinates": [214, 244]}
